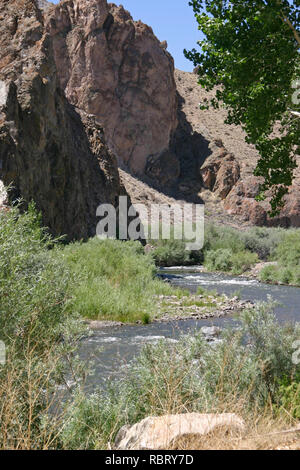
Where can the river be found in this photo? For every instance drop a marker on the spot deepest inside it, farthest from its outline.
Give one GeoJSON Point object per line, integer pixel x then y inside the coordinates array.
{"type": "Point", "coordinates": [112, 349]}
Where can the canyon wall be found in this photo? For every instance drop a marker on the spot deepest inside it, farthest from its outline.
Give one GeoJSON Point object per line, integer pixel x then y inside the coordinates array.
{"type": "Point", "coordinates": [49, 151]}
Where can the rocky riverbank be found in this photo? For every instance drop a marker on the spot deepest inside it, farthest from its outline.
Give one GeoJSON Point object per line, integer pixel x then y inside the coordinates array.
{"type": "Point", "coordinates": [197, 307]}
{"type": "Point", "coordinates": [202, 306]}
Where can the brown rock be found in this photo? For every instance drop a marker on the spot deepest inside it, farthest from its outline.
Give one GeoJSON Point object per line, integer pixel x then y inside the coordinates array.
{"type": "Point", "coordinates": [241, 201]}
{"type": "Point", "coordinates": [50, 151]}
{"type": "Point", "coordinates": [115, 68]}
{"type": "Point", "coordinates": [221, 174]}
{"type": "Point", "coordinates": [227, 177]}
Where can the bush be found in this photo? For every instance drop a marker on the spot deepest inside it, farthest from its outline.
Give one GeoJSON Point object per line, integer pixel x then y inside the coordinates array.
{"type": "Point", "coordinates": [222, 237]}
{"type": "Point", "coordinates": [287, 255]}
{"type": "Point", "coordinates": [225, 260]}
{"type": "Point", "coordinates": [171, 253]}
{"type": "Point", "coordinates": [33, 282]}
{"type": "Point", "coordinates": [290, 398]}
{"type": "Point", "coordinates": [285, 275]}
{"type": "Point", "coordinates": [269, 273]}
{"type": "Point", "coordinates": [288, 251]}
{"type": "Point", "coordinates": [262, 240]}
{"type": "Point", "coordinates": [219, 260]}
{"type": "Point", "coordinates": [243, 261]}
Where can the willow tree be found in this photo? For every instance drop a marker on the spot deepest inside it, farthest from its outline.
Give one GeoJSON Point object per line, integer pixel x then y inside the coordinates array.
{"type": "Point", "coordinates": [249, 53]}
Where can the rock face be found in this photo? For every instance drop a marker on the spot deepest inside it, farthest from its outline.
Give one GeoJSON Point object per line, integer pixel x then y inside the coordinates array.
{"type": "Point", "coordinates": [220, 174]}
{"type": "Point", "coordinates": [116, 69]}
{"type": "Point", "coordinates": [154, 433]}
{"type": "Point", "coordinates": [49, 151]}
{"type": "Point", "coordinates": [241, 201]}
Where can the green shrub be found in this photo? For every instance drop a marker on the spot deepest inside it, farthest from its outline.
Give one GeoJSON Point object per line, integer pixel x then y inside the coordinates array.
{"type": "Point", "coordinates": [269, 273]}
{"type": "Point", "coordinates": [38, 332]}
{"type": "Point", "coordinates": [222, 237]}
{"type": "Point", "coordinates": [219, 260]}
{"type": "Point", "coordinates": [243, 261]}
{"type": "Point", "coordinates": [285, 275]}
{"type": "Point", "coordinates": [290, 399]}
{"type": "Point", "coordinates": [171, 253]}
{"type": "Point", "coordinates": [262, 240]}
{"type": "Point", "coordinates": [288, 251]}
{"type": "Point", "coordinates": [33, 282]}
{"type": "Point", "coordinates": [296, 276]}
{"type": "Point", "coordinates": [225, 260]}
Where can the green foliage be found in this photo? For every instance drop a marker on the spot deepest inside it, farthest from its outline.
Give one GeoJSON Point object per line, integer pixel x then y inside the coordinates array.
{"type": "Point", "coordinates": [219, 260]}
{"type": "Point", "coordinates": [171, 253]}
{"type": "Point", "coordinates": [290, 398]}
{"type": "Point", "coordinates": [250, 53]}
{"type": "Point", "coordinates": [262, 240]}
{"type": "Point", "coordinates": [222, 237]}
{"type": "Point", "coordinates": [269, 273]}
{"type": "Point", "coordinates": [243, 261]}
{"type": "Point", "coordinates": [33, 283]}
{"type": "Point", "coordinates": [287, 255]}
{"type": "Point", "coordinates": [37, 331]}
{"type": "Point", "coordinates": [288, 252]}
{"type": "Point", "coordinates": [114, 280]}
{"type": "Point", "coordinates": [226, 260]}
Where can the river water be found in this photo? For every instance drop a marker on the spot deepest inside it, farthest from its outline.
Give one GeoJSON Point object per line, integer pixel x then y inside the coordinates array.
{"type": "Point", "coordinates": [112, 349]}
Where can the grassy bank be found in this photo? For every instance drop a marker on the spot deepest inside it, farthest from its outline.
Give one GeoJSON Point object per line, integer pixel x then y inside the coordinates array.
{"type": "Point", "coordinates": [114, 280]}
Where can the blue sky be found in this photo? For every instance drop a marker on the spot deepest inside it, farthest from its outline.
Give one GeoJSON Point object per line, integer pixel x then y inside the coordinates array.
{"type": "Point", "coordinates": [171, 20]}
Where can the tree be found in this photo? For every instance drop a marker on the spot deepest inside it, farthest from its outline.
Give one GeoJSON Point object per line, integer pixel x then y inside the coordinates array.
{"type": "Point", "coordinates": [250, 55]}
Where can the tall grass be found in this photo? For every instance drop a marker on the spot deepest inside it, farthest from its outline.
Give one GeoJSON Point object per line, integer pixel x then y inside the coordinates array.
{"type": "Point", "coordinates": [114, 280]}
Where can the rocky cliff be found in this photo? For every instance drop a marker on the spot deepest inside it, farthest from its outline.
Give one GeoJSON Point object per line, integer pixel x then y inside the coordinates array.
{"type": "Point", "coordinates": [115, 68]}
{"type": "Point", "coordinates": [49, 150]}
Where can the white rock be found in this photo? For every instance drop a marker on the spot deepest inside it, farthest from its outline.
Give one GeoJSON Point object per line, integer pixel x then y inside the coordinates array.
{"type": "Point", "coordinates": [211, 330]}
{"type": "Point", "coordinates": [3, 93]}
{"type": "Point", "coordinates": [161, 432]}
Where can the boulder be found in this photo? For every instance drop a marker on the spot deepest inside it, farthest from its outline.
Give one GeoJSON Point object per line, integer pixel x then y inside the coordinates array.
{"type": "Point", "coordinates": [154, 433]}
{"type": "Point", "coordinates": [211, 331]}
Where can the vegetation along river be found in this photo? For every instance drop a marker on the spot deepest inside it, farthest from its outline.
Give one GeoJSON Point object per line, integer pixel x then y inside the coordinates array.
{"type": "Point", "coordinates": [113, 348]}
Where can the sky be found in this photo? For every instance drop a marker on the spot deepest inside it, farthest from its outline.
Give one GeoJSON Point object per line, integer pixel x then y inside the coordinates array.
{"type": "Point", "coordinates": [171, 20]}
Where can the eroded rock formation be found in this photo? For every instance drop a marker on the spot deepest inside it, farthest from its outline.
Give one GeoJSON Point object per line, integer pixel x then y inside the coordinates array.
{"type": "Point", "coordinates": [49, 151]}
